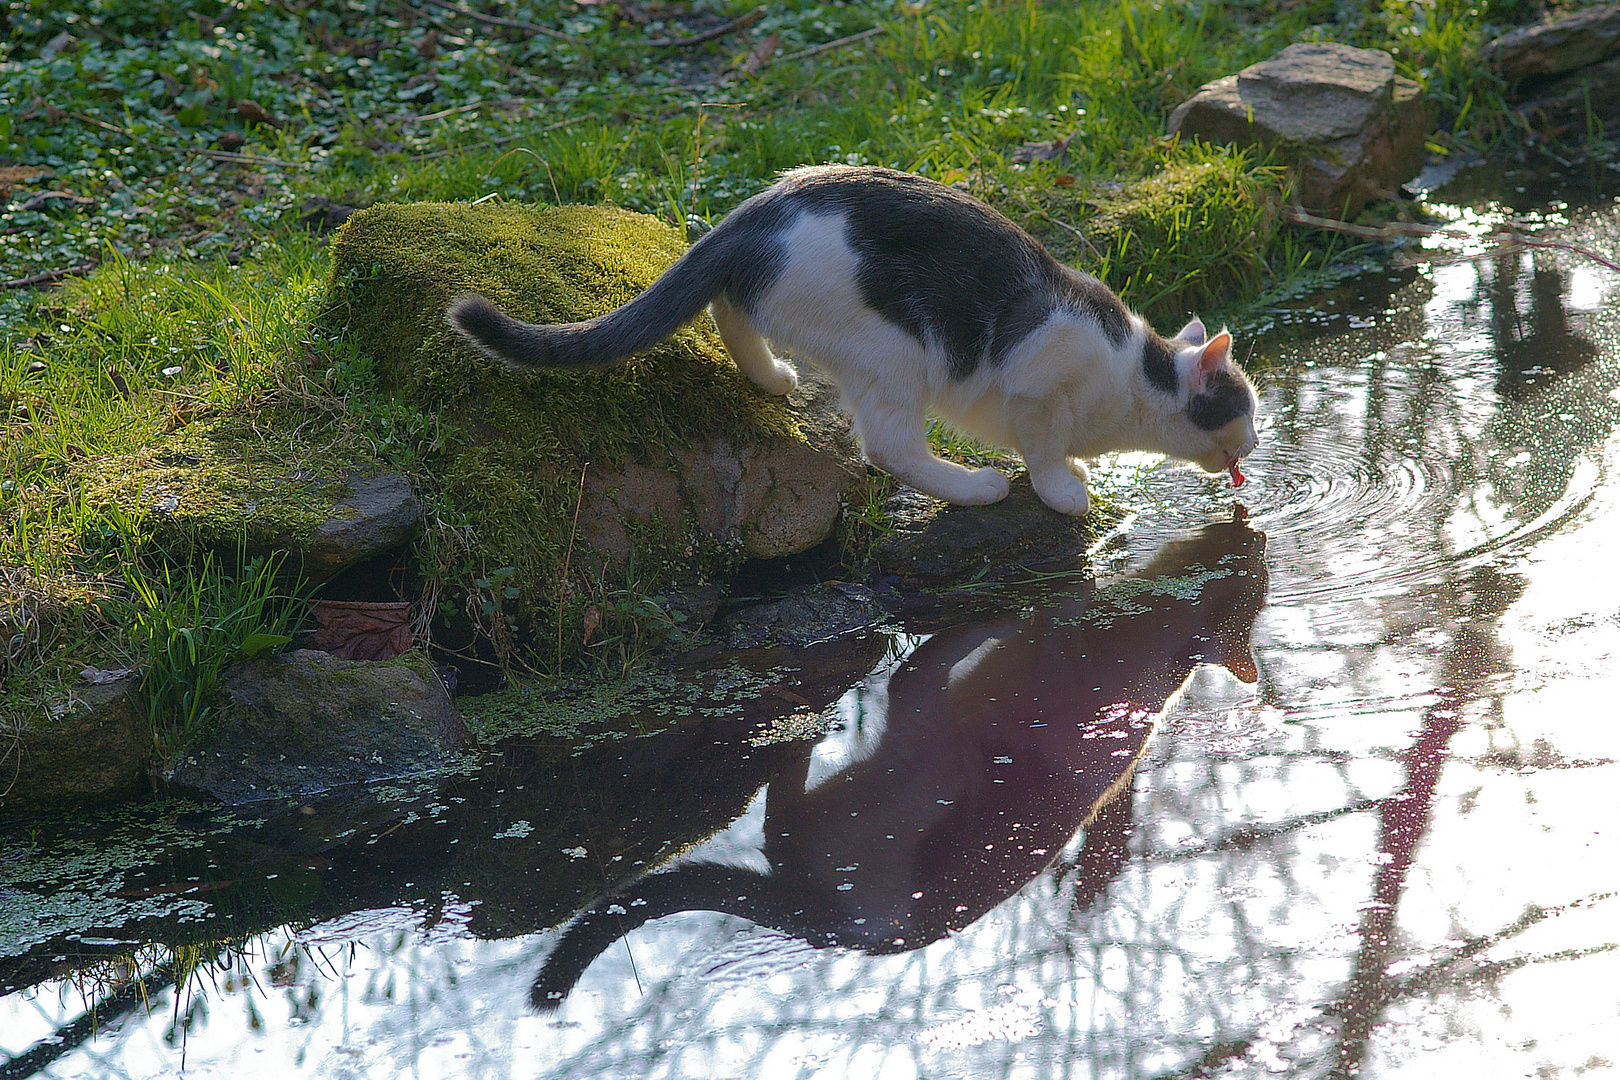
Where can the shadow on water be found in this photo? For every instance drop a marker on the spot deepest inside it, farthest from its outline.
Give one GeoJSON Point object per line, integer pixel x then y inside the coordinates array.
{"type": "Point", "coordinates": [519, 838]}
{"type": "Point", "coordinates": [999, 740]}
{"type": "Point", "coordinates": [1393, 852]}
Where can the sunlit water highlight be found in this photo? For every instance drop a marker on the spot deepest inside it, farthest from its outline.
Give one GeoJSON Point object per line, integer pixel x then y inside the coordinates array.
{"type": "Point", "coordinates": [1395, 856]}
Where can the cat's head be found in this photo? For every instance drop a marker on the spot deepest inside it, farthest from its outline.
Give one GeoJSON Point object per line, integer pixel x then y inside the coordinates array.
{"type": "Point", "coordinates": [1213, 421]}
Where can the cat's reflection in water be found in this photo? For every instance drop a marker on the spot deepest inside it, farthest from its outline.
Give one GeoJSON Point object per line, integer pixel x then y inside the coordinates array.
{"type": "Point", "coordinates": [1002, 739]}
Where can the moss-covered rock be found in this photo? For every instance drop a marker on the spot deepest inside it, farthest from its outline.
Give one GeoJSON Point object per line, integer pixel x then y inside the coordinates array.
{"type": "Point", "coordinates": [303, 722]}
{"type": "Point", "coordinates": [220, 485]}
{"type": "Point", "coordinates": [1192, 236]}
{"type": "Point", "coordinates": [560, 482]}
{"type": "Point", "coordinates": [95, 749]}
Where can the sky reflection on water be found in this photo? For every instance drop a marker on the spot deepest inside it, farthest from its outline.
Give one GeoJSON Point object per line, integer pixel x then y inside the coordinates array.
{"type": "Point", "coordinates": [1395, 855]}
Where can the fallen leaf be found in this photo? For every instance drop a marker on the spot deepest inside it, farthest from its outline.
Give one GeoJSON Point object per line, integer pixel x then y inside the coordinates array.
{"type": "Point", "coordinates": [361, 629]}
{"type": "Point", "coordinates": [761, 53]}
{"type": "Point", "coordinates": [252, 111]}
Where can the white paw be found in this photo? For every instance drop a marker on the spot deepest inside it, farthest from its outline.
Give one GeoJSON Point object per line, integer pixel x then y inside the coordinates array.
{"type": "Point", "coordinates": [781, 380]}
{"type": "Point", "coordinates": [979, 488]}
{"type": "Point", "coordinates": [1065, 494]}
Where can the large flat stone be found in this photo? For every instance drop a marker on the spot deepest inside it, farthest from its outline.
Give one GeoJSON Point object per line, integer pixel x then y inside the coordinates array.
{"type": "Point", "coordinates": [304, 722]}
{"type": "Point", "coordinates": [1348, 126]}
{"type": "Point", "coordinates": [1557, 46]}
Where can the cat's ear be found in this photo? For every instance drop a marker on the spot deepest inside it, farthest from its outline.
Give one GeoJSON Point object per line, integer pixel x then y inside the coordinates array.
{"type": "Point", "coordinates": [1193, 332]}
{"type": "Point", "coordinates": [1211, 358]}
{"type": "Point", "coordinates": [1239, 660]}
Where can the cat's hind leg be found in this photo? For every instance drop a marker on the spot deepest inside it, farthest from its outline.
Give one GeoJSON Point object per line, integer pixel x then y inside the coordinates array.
{"type": "Point", "coordinates": [1041, 435]}
{"type": "Point", "coordinates": [896, 441]}
{"type": "Point", "coordinates": [749, 351]}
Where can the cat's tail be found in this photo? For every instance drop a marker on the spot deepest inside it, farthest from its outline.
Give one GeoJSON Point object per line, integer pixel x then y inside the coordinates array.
{"type": "Point", "coordinates": [684, 289]}
{"type": "Point", "coordinates": [747, 893]}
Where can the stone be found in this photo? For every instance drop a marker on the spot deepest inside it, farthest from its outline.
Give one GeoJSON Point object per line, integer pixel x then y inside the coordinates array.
{"type": "Point", "coordinates": [1350, 129]}
{"type": "Point", "coordinates": [778, 496]}
{"type": "Point", "coordinates": [933, 543]}
{"type": "Point", "coordinates": [1564, 107]}
{"type": "Point", "coordinates": [94, 749]}
{"type": "Point", "coordinates": [370, 516]}
{"type": "Point", "coordinates": [803, 617]}
{"type": "Point", "coordinates": [671, 464]}
{"type": "Point", "coordinates": [219, 485]}
{"type": "Point", "coordinates": [1556, 47]}
{"type": "Point", "coordinates": [304, 722]}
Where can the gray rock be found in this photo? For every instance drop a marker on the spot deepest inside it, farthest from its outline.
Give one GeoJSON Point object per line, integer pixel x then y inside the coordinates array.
{"type": "Point", "coordinates": [1349, 127]}
{"type": "Point", "coordinates": [803, 617]}
{"type": "Point", "coordinates": [93, 748]}
{"type": "Point", "coordinates": [375, 514]}
{"type": "Point", "coordinates": [1563, 107]}
{"type": "Point", "coordinates": [933, 543]}
{"type": "Point", "coordinates": [1556, 47]}
{"type": "Point", "coordinates": [303, 722]}
{"type": "Point", "coordinates": [771, 500]}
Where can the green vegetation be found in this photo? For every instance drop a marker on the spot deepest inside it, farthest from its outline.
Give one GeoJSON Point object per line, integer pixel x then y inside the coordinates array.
{"type": "Point", "coordinates": [164, 163]}
{"type": "Point", "coordinates": [187, 625]}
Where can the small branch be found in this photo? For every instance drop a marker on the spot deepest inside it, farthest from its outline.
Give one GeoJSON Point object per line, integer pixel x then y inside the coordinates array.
{"type": "Point", "coordinates": [500, 140]}
{"type": "Point", "coordinates": [828, 46]}
{"type": "Point", "coordinates": [248, 159]}
{"type": "Point", "coordinates": [510, 24]}
{"type": "Point", "coordinates": [47, 276]}
{"type": "Point", "coordinates": [1505, 239]}
{"type": "Point", "coordinates": [114, 128]}
{"type": "Point", "coordinates": [442, 113]}
{"type": "Point", "coordinates": [741, 23]}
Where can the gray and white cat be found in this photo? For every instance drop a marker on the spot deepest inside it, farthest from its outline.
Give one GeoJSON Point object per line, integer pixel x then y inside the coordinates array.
{"type": "Point", "coordinates": [914, 297]}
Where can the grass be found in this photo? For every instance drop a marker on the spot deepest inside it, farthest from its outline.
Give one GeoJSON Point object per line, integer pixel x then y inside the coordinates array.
{"type": "Point", "coordinates": [188, 625]}
{"type": "Point", "coordinates": [186, 142]}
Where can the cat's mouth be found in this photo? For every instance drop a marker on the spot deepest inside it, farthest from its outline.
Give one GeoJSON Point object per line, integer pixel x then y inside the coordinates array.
{"type": "Point", "coordinates": [1233, 470]}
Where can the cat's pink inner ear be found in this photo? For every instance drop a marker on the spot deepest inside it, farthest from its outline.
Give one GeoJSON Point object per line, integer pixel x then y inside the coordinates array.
{"type": "Point", "coordinates": [1215, 354]}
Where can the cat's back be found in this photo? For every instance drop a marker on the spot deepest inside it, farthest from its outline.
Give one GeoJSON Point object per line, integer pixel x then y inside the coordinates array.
{"type": "Point", "coordinates": [888, 209]}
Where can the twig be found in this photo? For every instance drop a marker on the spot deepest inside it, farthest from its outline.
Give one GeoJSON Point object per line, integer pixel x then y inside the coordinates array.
{"type": "Point", "coordinates": [828, 46]}
{"type": "Point", "coordinates": [1078, 235]}
{"type": "Point", "coordinates": [49, 275]}
{"type": "Point", "coordinates": [742, 22]}
{"type": "Point", "coordinates": [499, 140]}
{"type": "Point", "coordinates": [1506, 238]}
{"type": "Point", "coordinates": [114, 128]}
{"type": "Point", "coordinates": [510, 24]}
{"type": "Point", "coordinates": [247, 159]}
{"type": "Point", "coordinates": [442, 113]}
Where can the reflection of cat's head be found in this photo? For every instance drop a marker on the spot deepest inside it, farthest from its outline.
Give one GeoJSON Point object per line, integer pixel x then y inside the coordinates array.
{"type": "Point", "coordinates": [1234, 592]}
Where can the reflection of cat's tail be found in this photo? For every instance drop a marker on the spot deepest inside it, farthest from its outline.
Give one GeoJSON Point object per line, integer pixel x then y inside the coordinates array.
{"type": "Point", "coordinates": [691, 887]}
{"type": "Point", "coordinates": [698, 277]}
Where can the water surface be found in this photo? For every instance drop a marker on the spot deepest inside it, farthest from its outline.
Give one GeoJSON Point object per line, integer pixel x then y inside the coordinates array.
{"type": "Point", "coordinates": [1374, 834]}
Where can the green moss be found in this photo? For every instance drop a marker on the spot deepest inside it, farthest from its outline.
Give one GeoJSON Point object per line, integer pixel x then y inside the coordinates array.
{"type": "Point", "coordinates": [219, 484]}
{"type": "Point", "coordinates": [1192, 236]}
{"type": "Point", "coordinates": [506, 493]}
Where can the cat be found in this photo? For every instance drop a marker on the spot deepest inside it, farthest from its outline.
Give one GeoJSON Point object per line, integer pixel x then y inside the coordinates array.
{"type": "Point", "coordinates": [996, 742]}
{"type": "Point", "coordinates": [914, 296]}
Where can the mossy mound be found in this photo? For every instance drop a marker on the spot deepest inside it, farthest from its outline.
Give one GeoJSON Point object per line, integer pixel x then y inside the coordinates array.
{"type": "Point", "coordinates": [506, 490]}
{"type": "Point", "coordinates": [207, 486]}
{"type": "Point", "coordinates": [1190, 237]}
{"type": "Point", "coordinates": [218, 485]}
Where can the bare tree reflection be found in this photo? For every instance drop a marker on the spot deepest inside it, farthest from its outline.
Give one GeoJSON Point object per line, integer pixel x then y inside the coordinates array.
{"type": "Point", "coordinates": [1000, 740]}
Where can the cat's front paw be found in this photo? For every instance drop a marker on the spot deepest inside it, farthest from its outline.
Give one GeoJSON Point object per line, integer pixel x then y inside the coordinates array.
{"type": "Point", "coordinates": [780, 380]}
{"type": "Point", "coordinates": [1066, 494]}
{"type": "Point", "coordinates": [980, 487]}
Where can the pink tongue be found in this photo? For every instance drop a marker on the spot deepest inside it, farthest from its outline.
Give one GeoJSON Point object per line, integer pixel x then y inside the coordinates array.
{"type": "Point", "coordinates": [1237, 476]}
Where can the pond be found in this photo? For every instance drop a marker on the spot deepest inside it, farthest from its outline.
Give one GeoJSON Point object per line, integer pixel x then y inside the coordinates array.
{"type": "Point", "coordinates": [1309, 779]}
